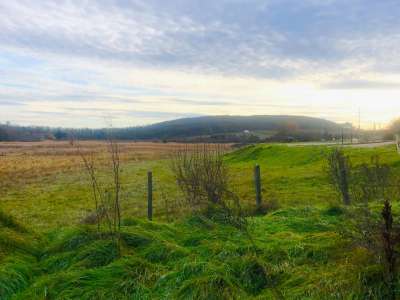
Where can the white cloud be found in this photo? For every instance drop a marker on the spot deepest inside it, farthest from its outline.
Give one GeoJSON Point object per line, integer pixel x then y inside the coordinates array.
{"type": "Point", "coordinates": [133, 58]}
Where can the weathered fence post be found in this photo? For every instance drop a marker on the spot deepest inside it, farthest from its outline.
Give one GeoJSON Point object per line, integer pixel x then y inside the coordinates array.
{"type": "Point", "coordinates": [398, 143]}
{"type": "Point", "coordinates": [150, 195]}
{"type": "Point", "coordinates": [257, 181]}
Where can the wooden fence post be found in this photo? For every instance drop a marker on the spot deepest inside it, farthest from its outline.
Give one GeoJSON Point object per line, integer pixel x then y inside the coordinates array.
{"type": "Point", "coordinates": [398, 143]}
{"type": "Point", "coordinates": [257, 181]}
{"type": "Point", "coordinates": [150, 195]}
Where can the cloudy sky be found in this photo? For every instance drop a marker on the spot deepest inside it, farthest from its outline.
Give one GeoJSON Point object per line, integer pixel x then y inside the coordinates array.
{"type": "Point", "coordinates": [134, 62]}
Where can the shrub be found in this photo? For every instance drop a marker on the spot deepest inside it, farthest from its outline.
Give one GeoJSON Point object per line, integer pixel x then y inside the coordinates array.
{"type": "Point", "coordinates": [338, 171]}
{"type": "Point", "coordinates": [202, 176]}
{"type": "Point", "coordinates": [377, 233]}
{"type": "Point", "coordinates": [267, 206]}
{"type": "Point", "coordinates": [106, 197]}
{"type": "Point", "coordinates": [373, 181]}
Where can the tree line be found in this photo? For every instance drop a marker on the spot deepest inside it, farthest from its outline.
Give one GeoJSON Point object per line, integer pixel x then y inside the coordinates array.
{"type": "Point", "coordinates": [211, 129]}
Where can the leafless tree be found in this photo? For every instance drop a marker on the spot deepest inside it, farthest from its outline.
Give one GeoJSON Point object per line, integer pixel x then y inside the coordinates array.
{"type": "Point", "coordinates": [202, 176]}
{"type": "Point", "coordinates": [116, 171]}
{"type": "Point", "coordinates": [106, 196]}
{"type": "Point", "coordinates": [98, 194]}
{"type": "Point", "coordinates": [338, 171]}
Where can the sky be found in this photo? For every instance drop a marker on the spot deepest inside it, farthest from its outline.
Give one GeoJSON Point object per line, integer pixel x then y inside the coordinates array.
{"type": "Point", "coordinates": [135, 62]}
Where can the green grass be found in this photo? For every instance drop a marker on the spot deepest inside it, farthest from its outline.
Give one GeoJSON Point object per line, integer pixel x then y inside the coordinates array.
{"type": "Point", "coordinates": [66, 198]}
{"type": "Point", "coordinates": [293, 176]}
{"type": "Point", "coordinates": [294, 252]}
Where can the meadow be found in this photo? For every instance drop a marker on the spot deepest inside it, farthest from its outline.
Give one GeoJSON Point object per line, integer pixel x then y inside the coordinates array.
{"type": "Point", "coordinates": [45, 184]}
{"type": "Point", "coordinates": [293, 251]}
{"type": "Point", "coordinates": [52, 175]}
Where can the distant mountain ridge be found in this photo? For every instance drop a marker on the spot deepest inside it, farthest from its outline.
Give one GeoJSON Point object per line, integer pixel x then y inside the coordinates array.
{"type": "Point", "coordinates": [209, 125]}
{"type": "Point", "coordinates": [207, 128]}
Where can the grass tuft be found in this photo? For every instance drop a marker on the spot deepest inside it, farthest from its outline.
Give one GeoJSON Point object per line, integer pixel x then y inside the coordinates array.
{"type": "Point", "coordinates": [9, 222]}
{"type": "Point", "coordinates": [16, 273]}
{"type": "Point", "coordinates": [251, 274]}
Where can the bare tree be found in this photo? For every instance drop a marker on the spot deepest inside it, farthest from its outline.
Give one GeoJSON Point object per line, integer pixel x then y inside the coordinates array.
{"type": "Point", "coordinates": [98, 194]}
{"type": "Point", "coordinates": [116, 171]}
{"type": "Point", "coordinates": [106, 196]}
{"type": "Point", "coordinates": [338, 170]}
{"type": "Point", "coordinates": [202, 176]}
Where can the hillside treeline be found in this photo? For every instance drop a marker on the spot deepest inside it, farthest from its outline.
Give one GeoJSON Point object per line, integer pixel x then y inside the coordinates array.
{"type": "Point", "coordinates": [201, 129]}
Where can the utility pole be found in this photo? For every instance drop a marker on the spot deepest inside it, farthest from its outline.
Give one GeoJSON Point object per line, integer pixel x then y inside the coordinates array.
{"type": "Point", "coordinates": [342, 136]}
{"type": "Point", "coordinates": [351, 133]}
{"type": "Point", "coordinates": [150, 195]}
{"type": "Point", "coordinates": [257, 181]}
{"type": "Point", "coordinates": [359, 125]}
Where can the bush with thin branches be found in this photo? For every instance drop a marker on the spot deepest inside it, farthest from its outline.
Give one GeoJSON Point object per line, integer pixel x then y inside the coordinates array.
{"type": "Point", "coordinates": [106, 196]}
{"type": "Point", "coordinates": [374, 181]}
{"type": "Point", "coordinates": [339, 171]}
{"type": "Point", "coordinates": [202, 176]}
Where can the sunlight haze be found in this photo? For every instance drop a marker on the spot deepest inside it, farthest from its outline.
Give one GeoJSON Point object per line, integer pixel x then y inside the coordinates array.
{"type": "Point", "coordinates": [80, 63]}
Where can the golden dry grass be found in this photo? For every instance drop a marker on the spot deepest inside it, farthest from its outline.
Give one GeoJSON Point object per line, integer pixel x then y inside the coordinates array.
{"type": "Point", "coordinates": [27, 161]}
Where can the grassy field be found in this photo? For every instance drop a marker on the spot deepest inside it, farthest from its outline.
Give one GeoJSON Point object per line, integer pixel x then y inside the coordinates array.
{"type": "Point", "coordinates": [45, 184]}
{"type": "Point", "coordinates": [33, 161]}
{"type": "Point", "coordinates": [293, 252]}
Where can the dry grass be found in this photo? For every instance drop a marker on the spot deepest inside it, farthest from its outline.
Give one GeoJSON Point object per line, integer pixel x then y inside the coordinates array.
{"type": "Point", "coordinates": [27, 161]}
{"type": "Point", "coordinates": [148, 149]}
{"type": "Point", "coordinates": [45, 183]}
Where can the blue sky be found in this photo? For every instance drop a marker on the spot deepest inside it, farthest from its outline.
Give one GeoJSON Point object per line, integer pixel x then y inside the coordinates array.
{"type": "Point", "coordinates": [134, 62]}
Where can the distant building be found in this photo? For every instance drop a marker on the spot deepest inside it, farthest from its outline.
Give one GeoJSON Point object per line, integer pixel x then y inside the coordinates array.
{"type": "Point", "coordinates": [347, 125]}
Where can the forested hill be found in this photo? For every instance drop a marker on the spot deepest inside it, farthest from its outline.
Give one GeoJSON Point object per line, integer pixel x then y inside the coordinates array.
{"type": "Point", "coordinates": [230, 124]}
{"type": "Point", "coordinates": [209, 128]}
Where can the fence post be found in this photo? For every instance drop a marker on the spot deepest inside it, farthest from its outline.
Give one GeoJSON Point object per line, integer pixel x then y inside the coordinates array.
{"type": "Point", "coordinates": [257, 181]}
{"type": "Point", "coordinates": [398, 143]}
{"type": "Point", "coordinates": [150, 195]}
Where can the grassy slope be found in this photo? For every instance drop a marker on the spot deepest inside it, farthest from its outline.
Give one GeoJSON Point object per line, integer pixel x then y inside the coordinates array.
{"type": "Point", "coordinates": [19, 253]}
{"type": "Point", "coordinates": [295, 175]}
{"type": "Point", "coordinates": [296, 254]}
